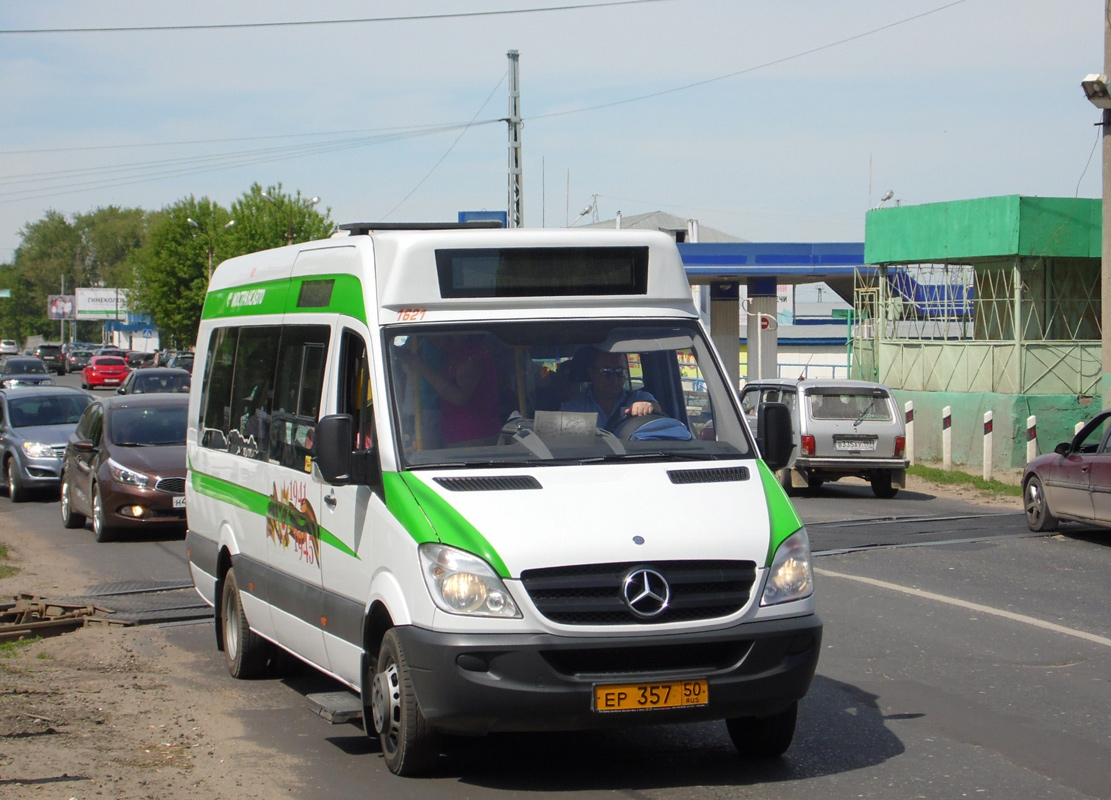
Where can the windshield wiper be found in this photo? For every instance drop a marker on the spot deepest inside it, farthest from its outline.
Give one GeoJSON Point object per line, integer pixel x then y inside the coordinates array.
{"type": "Point", "coordinates": [867, 410]}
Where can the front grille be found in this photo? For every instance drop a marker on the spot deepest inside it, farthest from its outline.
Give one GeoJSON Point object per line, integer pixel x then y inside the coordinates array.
{"type": "Point", "coordinates": [172, 485]}
{"type": "Point", "coordinates": [593, 594]}
{"type": "Point", "coordinates": [699, 659]}
{"type": "Point", "coordinates": [59, 450]}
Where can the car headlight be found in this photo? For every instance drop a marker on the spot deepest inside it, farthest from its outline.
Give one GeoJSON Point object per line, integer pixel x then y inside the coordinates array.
{"type": "Point", "coordinates": [128, 477]}
{"type": "Point", "coordinates": [461, 583]}
{"type": "Point", "coordinates": [38, 450]}
{"type": "Point", "coordinates": [790, 577]}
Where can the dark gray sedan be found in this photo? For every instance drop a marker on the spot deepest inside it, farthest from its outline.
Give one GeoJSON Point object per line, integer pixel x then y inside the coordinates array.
{"type": "Point", "coordinates": [35, 426]}
{"type": "Point", "coordinates": [24, 371]}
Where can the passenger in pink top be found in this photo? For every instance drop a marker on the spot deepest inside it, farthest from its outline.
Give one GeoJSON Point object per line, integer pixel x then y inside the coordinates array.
{"type": "Point", "coordinates": [468, 390]}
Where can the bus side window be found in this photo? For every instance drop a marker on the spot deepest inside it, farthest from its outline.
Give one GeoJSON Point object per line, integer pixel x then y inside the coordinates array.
{"type": "Point", "coordinates": [357, 399]}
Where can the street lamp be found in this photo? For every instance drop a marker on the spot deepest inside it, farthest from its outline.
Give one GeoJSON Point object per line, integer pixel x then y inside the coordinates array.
{"type": "Point", "coordinates": [211, 236]}
{"type": "Point", "coordinates": [292, 210]}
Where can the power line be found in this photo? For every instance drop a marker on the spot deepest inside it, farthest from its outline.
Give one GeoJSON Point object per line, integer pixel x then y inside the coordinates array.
{"type": "Point", "coordinates": [318, 22]}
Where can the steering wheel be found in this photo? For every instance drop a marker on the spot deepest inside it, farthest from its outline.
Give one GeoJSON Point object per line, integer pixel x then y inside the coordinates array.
{"type": "Point", "coordinates": [627, 424]}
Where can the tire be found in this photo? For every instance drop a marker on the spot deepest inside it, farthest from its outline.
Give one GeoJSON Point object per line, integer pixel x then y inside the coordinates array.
{"type": "Point", "coordinates": [245, 652]}
{"type": "Point", "coordinates": [784, 476]}
{"type": "Point", "coordinates": [70, 518]}
{"type": "Point", "coordinates": [1039, 517]}
{"type": "Point", "coordinates": [763, 738]}
{"type": "Point", "coordinates": [881, 485]}
{"type": "Point", "coordinates": [101, 529]}
{"type": "Point", "coordinates": [17, 492]}
{"type": "Point", "coordinates": [409, 744]}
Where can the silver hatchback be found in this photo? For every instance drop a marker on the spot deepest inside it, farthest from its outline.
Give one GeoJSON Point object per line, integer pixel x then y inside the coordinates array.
{"type": "Point", "coordinates": [841, 428]}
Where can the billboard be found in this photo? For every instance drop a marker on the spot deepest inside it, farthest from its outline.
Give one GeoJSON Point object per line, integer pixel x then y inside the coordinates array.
{"type": "Point", "coordinates": [61, 306]}
{"type": "Point", "coordinates": [102, 304]}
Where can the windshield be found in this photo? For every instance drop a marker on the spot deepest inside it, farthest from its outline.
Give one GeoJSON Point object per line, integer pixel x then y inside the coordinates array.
{"type": "Point", "coordinates": [26, 412]}
{"type": "Point", "coordinates": [24, 367]}
{"type": "Point", "coordinates": [569, 392]}
{"type": "Point", "coordinates": [145, 427]}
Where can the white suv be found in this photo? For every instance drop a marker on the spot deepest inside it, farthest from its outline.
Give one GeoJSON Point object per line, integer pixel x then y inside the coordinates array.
{"type": "Point", "coordinates": [8, 347]}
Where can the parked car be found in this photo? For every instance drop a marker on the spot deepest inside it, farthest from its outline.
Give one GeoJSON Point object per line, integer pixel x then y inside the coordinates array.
{"type": "Point", "coordinates": [77, 360]}
{"type": "Point", "coordinates": [8, 347]}
{"type": "Point", "coordinates": [156, 380]}
{"type": "Point", "coordinates": [124, 465]}
{"type": "Point", "coordinates": [842, 428]}
{"type": "Point", "coordinates": [24, 371]}
{"type": "Point", "coordinates": [137, 359]}
{"type": "Point", "coordinates": [1073, 482]}
{"type": "Point", "coordinates": [181, 361]}
{"type": "Point", "coordinates": [51, 354]}
{"type": "Point", "coordinates": [36, 424]}
{"type": "Point", "coordinates": [104, 371]}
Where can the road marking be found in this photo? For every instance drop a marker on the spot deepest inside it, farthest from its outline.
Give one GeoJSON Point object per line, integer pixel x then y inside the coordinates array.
{"type": "Point", "coordinates": [998, 612]}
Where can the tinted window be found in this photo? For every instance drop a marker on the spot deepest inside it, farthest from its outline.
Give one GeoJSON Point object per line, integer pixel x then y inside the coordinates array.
{"type": "Point", "coordinates": [25, 366]}
{"type": "Point", "coordinates": [851, 404]}
{"type": "Point", "coordinates": [137, 427]}
{"type": "Point", "coordinates": [108, 361]}
{"type": "Point", "coordinates": [27, 412]}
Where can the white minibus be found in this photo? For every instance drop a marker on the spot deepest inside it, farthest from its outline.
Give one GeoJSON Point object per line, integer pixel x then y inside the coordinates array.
{"type": "Point", "coordinates": [494, 480]}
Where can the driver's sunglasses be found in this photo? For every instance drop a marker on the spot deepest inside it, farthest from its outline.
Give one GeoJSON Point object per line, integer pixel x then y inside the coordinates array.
{"type": "Point", "coordinates": [611, 372]}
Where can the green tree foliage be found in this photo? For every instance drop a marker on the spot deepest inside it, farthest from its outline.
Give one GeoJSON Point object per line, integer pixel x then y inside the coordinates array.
{"type": "Point", "coordinates": [283, 219]}
{"type": "Point", "coordinates": [85, 251]}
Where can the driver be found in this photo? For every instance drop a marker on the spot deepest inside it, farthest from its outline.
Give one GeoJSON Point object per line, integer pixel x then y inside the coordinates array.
{"type": "Point", "coordinates": [607, 395]}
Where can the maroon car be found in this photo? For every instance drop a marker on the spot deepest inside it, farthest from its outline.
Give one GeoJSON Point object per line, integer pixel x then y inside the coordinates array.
{"type": "Point", "coordinates": [125, 465]}
{"type": "Point", "coordinates": [104, 371]}
{"type": "Point", "coordinates": [1073, 482]}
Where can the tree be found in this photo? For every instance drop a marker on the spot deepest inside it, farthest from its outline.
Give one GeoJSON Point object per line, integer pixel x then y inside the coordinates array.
{"type": "Point", "coordinates": [261, 224]}
{"type": "Point", "coordinates": [170, 273]}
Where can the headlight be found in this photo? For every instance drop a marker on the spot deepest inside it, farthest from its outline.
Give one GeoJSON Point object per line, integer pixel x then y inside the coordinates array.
{"type": "Point", "coordinates": [38, 450]}
{"type": "Point", "coordinates": [790, 576]}
{"type": "Point", "coordinates": [461, 583]}
{"type": "Point", "coordinates": [129, 477]}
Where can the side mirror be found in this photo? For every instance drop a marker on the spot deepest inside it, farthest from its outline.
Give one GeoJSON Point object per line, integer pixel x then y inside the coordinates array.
{"type": "Point", "coordinates": [83, 446]}
{"type": "Point", "coordinates": [773, 434]}
{"type": "Point", "coordinates": [120, 390]}
{"type": "Point", "coordinates": [1063, 449]}
{"type": "Point", "coordinates": [332, 447]}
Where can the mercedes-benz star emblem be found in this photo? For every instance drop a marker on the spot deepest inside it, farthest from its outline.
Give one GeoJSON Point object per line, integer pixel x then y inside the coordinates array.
{"type": "Point", "coordinates": [646, 592]}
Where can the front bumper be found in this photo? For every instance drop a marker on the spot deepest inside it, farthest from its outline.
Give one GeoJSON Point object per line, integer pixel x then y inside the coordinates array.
{"type": "Point", "coordinates": [158, 506]}
{"type": "Point", "coordinates": [469, 683]}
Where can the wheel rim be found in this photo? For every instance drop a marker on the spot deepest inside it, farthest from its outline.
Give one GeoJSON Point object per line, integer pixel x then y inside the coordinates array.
{"type": "Point", "coordinates": [1034, 502]}
{"type": "Point", "coordinates": [65, 499]}
{"type": "Point", "coordinates": [385, 706]}
{"type": "Point", "coordinates": [231, 626]}
{"type": "Point", "coordinates": [98, 513]}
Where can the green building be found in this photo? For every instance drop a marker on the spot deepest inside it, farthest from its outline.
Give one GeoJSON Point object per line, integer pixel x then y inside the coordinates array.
{"type": "Point", "coordinates": [986, 304]}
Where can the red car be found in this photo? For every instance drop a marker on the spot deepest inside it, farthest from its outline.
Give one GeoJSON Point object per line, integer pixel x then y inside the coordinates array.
{"type": "Point", "coordinates": [104, 371]}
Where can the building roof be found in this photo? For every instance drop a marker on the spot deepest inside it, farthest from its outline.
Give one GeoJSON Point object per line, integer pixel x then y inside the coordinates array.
{"type": "Point", "coordinates": [669, 223]}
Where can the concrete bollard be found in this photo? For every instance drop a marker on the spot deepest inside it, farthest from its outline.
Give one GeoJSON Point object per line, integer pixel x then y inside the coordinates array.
{"type": "Point", "coordinates": [987, 445]}
{"type": "Point", "coordinates": [947, 437]}
{"type": "Point", "coordinates": [908, 410]}
{"type": "Point", "coordinates": [1031, 438]}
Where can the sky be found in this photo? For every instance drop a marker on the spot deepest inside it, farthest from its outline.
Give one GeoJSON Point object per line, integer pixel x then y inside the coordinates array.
{"type": "Point", "coordinates": [775, 121]}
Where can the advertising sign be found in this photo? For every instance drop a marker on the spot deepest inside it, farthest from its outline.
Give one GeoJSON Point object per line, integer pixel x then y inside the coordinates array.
{"type": "Point", "coordinates": [61, 306]}
{"type": "Point", "coordinates": [102, 304]}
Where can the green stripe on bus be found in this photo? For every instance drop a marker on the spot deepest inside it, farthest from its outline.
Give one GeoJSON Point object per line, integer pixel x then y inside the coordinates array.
{"type": "Point", "coordinates": [783, 520]}
{"type": "Point", "coordinates": [429, 518]}
{"type": "Point", "coordinates": [280, 297]}
{"type": "Point", "coordinates": [253, 502]}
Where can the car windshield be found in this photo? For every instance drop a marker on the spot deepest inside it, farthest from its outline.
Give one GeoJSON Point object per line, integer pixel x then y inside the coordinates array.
{"type": "Point", "coordinates": [555, 392]}
{"type": "Point", "coordinates": [148, 427]}
{"type": "Point", "coordinates": [846, 403]}
{"type": "Point", "coordinates": [150, 384]}
{"type": "Point", "coordinates": [109, 361]}
{"type": "Point", "coordinates": [24, 366]}
{"type": "Point", "coordinates": [26, 412]}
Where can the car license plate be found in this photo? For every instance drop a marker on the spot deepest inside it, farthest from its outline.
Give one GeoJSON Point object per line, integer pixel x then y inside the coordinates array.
{"type": "Point", "coordinates": [855, 444]}
{"type": "Point", "coordinates": [111, 380]}
{"type": "Point", "coordinates": [640, 696]}
{"type": "Point", "coordinates": [179, 502]}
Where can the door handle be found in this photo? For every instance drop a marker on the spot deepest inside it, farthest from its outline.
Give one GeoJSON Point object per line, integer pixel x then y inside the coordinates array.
{"type": "Point", "coordinates": [330, 500]}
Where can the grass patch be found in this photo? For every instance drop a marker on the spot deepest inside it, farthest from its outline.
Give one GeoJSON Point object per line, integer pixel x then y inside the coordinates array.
{"type": "Point", "coordinates": [6, 570]}
{"type": "Point", "coordinates": [9, 649]}
{"type": "Point", "coordinates": [956, 477]}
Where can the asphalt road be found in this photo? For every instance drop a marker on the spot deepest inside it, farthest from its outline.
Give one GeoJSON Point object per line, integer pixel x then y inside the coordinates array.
{"type": "Point", "coordinates": [963, 657]}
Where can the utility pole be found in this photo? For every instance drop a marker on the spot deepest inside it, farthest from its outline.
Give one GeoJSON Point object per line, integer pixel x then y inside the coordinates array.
{"type": "Point", "coordinates": [1105, 260]}
{"type": "Point", "coordinates": [516, 201]}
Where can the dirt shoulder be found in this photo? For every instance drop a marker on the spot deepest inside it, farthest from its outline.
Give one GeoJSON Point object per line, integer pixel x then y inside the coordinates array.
{"type": "Point", "coordinates": [111, 712]}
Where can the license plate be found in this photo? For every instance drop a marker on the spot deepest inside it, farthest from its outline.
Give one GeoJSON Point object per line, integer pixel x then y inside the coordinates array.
{"type": "Point", "coordinates": [111, 380]}
{"type": "Point", "coordinates": [855, 444]}
{"type": "Point", "coordinates": [179, 502]}
{"type": "Point", "coordinates": [641, 696]}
